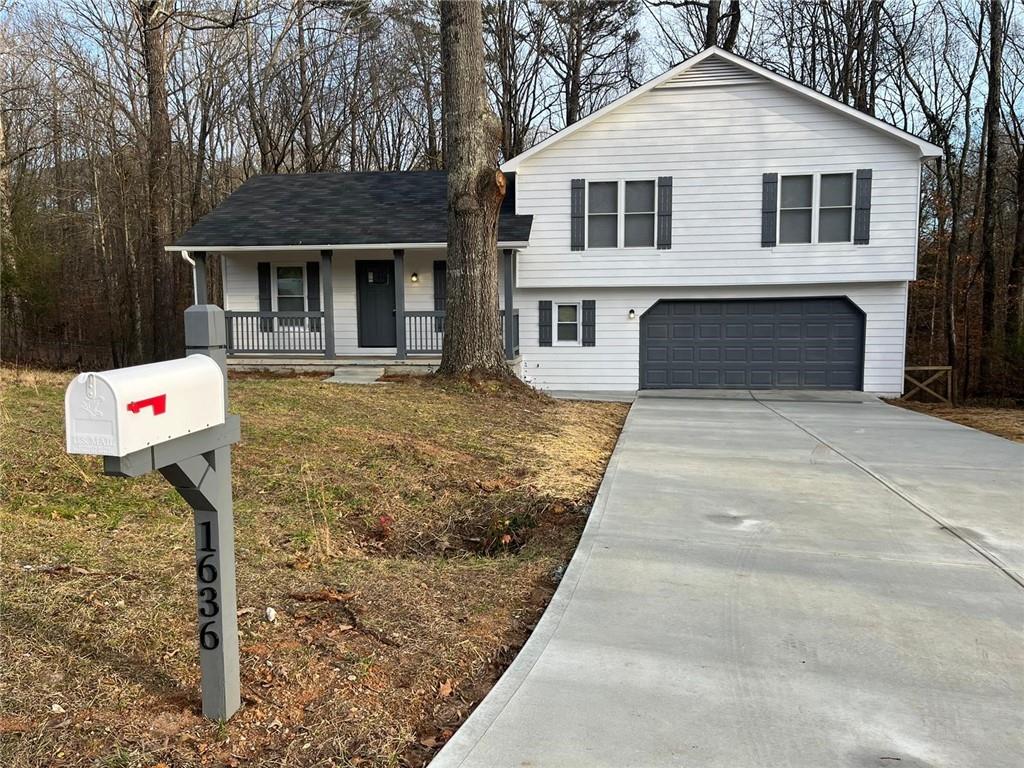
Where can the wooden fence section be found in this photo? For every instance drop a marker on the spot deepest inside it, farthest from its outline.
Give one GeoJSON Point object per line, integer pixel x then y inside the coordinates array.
{"type": "Point", "coordinates": [918, 377]}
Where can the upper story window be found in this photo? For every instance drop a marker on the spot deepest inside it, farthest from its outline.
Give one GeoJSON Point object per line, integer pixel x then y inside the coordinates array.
{"type": "Point", "coordinates": [620, 214]}
{"type": "Point", "coordinates": [816, 208]}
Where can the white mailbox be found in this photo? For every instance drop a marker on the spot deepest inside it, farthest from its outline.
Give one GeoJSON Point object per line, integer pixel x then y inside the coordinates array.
{"type": "Point", "coordinates": [114, 413]}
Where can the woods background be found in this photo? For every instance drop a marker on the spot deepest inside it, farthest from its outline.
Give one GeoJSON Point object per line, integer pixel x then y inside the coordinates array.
{"type": "Point", "coordinates": [122, 122]}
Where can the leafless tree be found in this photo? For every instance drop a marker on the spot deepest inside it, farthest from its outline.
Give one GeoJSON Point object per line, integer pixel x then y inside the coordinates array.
{"type": "Point", "coordinates": [472, 334]}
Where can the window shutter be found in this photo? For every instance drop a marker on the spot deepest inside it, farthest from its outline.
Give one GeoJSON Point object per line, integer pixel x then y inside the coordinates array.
{"type": "Point", "coordinates": [769, 208]}
{"type": "Point", "coordinates": [544, 323]}
{"type": "Point", "coordinates": [578, 214]}
{"type": "Point", "coordinates": [265, 305]}
{"type": "Point", "coordinates": [862, 215]}
{"type": "Point", "coordinates": [440, 292]}
{"type": "Point", "coordinates": [589, 322]}
{"type": "Point", "coordinates": [313, 293]}
{"type": "Point", "coordinates": [664, 212]}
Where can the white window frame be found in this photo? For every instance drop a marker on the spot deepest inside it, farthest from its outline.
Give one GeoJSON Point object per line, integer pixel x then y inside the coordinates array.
{"type": "Point", "coordinates": [620, 215]}
{"type": "Point", "coordinates": [304, 322]}
{"type": "Point", "coordinates": [816, 206]}
{"type": "Point", "coordinates": [579, 324]}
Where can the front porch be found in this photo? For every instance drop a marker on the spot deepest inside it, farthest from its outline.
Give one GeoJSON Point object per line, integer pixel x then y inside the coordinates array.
{"type": "Point", "coordinates": [336, 306]}
{"type": "Point", "coordinates": [297, 334]}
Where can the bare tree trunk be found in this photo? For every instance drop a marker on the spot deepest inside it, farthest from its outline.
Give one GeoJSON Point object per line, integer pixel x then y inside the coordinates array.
{"type": "Point", "coordinates": [153, 19]}
{"type": "Point", "coordinates": [734, 25]}
{"type": "Point", "coordinates": [1013, 330]}
{"type": "Point", "coordinates": [472, 134]}
{"type": "Point", "coordinates": [990, 346]}
{"type": "Point", "coordinates": [711, 30]}
{"type": "Point", "coordinates": [8, 266]}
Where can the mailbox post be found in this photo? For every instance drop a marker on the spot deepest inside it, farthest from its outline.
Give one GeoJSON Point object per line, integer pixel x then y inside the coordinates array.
{"type": "Point", "coordinates": [174, 399]}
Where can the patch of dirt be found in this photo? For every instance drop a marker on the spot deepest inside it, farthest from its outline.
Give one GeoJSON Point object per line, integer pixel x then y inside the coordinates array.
{"type": "Point", "coordinates": [406, 537]}
{"type": "Point", "coordinates": [1004, 421]}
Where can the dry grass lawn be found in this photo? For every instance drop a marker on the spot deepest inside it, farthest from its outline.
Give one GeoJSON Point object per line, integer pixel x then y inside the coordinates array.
{"type": "Point", "coordinates": [407, 536]}
{"type": "Point", "coordinates": [1006, 422]}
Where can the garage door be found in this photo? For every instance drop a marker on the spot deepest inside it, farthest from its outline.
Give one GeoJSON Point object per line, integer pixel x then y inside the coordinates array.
{"type": "Point", "coordinates": [752, 344]}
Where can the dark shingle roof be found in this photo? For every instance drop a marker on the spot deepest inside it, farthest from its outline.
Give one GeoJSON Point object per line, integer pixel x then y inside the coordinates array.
{"type": "Point", "coordinates": [341, 209]}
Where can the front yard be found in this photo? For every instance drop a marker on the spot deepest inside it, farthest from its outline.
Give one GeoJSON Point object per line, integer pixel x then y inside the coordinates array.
{"type": "Point", "coordinates": [395, 546]}
{"type": "Point", "coordinates": [1006, 420]}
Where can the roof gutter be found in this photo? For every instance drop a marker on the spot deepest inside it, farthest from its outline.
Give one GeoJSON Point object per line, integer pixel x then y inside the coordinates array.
{"type": "Point", "coordinates": [334, 247]}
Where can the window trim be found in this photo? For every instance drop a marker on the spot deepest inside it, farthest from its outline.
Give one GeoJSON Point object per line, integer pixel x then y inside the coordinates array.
{"type": "Point", "coordinates": [555, 306]}
{"type": "Point", "coordinates": [816, 206]}
{"type": "Point", "coordinates": [274, 295]}
{"type": "Point", "coordinates": [620, 215]}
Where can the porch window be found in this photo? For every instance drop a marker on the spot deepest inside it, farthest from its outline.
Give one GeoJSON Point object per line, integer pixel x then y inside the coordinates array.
{"type": "Point", "coordinates": [291, 295]}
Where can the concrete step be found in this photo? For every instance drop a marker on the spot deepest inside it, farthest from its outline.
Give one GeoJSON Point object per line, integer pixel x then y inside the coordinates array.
{"type": "Point", "coordinates": [356, 374]}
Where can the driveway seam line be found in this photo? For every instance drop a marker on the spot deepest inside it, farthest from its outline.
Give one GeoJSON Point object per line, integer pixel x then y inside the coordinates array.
{"type": "Point", "coordinates": [920, 507]}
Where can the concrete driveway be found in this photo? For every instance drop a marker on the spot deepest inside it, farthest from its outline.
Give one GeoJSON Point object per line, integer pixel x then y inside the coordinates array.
{"type": "Point", "coordinates": [779, 580]}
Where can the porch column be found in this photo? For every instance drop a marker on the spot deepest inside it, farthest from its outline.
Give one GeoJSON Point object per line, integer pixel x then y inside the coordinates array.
{"type": "Point", "coordinates": [508, 272]}
{"type": "Point", "coordinates": [199, 277]}
{"type": "Point", "coordinates": [400, 303]}
{"type": "Point", "coordinates": [327, 288]}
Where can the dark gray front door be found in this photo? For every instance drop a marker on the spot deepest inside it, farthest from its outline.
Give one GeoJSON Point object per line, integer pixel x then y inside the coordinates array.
{"type": "Point", "coordinates": [375, 299]}
{"type": "Point", "coordinates": [752, 344]}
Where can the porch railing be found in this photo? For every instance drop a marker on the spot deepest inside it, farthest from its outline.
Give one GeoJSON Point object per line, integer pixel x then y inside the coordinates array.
{"type": "Point", "coordinates": [298, 333]}
{"type": "Point", "coordinates": [424, 332]}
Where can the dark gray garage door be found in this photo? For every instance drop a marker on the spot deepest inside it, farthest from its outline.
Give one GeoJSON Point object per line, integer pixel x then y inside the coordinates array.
{"type": "Point", "coordinates": [752, 344]}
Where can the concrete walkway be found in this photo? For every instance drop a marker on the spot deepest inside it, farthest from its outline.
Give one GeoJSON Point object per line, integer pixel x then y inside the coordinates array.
{"type": "Point", "coordinates": [779, 580]}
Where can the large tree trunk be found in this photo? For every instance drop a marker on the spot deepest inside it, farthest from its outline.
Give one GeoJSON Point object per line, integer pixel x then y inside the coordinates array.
{"type": "Point", "coordinates": [153, 18]}
{"type": "Point", "coordinates": [990, 346]}
{"type": "Point", "coordinates": [472, 330]}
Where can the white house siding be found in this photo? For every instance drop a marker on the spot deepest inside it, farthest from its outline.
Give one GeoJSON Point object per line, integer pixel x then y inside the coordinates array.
{"type": "Point", "coordinates": [241, 286]}
{"type": "Point", "coordinates": [716, 142]}
{"type": "Point", "coordinates": [614, 362]}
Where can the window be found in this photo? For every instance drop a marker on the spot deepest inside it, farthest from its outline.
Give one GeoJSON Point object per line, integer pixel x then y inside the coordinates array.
{"type": "Point", "coordinates": [835, 216]}
{"type": "Point", "coordinates": [620, 214]}
{"type": "Point", "coordinates": [795, 209]}
{"type": "Point", "coordinates": [816, 208]}
{"type": "Point", "coordinates": [291, 295]}
{"type": "Point", "coordinates": [568, 324]}
{"type": "Point", "coordinates": [603, 214]}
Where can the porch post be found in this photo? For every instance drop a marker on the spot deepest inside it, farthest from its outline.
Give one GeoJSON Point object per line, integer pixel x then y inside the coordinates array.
{"type": "Point", "coordinates": [199, 277]}
{"type": "Point", "coordinates": [327, 288]}
{"type": "Point", "coordinates": [510, 344]}
{"type": "Point", "coordinates": [400, 303]}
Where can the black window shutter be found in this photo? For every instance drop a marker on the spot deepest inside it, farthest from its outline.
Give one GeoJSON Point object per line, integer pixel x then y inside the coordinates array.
{"type": "Point", "coordinates": [577, 214]}
{"type": "Point", "coordinates": [589, 322]}
{"type": "Point", "coordinates": [265, 305]}
{"type": "Point", "coordinates": [544, 323]}
{"type": "Point", "coordinates": [769, 208]}
{"type": "Point", "coordinates": [664, 212]}
{"type": "Point", "coordinates": [862, 216]}
{"type": "Point", "coordinates": [313, 293]}
{"type": "Point", "coordinates": [440, 292]}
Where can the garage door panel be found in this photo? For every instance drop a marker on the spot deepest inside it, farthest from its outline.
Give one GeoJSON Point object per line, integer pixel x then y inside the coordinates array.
{"type": "Point", "coordinates": [761, 343]}
{"type": "Point", "coordinates": [683, 354]}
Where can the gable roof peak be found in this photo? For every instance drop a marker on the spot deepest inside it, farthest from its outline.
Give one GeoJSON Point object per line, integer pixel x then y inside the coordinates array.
{"type": "Point", "coordinates": [926, 148]}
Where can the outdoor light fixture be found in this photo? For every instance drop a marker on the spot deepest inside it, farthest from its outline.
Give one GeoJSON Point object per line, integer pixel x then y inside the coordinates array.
{"type": "Point", "coordinates": [414, 278]}
{"type": "Point", "coordinates": [632, 314]}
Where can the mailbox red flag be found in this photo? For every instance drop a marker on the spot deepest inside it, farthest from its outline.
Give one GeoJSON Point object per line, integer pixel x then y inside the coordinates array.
{"type": "Point", "coordinates": [157, 402]}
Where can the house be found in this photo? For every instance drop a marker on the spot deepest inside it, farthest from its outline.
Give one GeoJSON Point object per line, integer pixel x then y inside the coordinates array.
{"type": "Point", "coordinates": [720, 226]}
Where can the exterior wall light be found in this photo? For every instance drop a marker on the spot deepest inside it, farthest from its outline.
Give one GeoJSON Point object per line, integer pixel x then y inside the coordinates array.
{"type": "Point", "coordinates": [632, 314]}
{"type": "Point", "coordinates": [415, 278]}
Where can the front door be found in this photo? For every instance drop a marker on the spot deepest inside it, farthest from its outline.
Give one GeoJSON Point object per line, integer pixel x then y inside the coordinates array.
{"type": "Point", "coordinates": [375, 299]}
